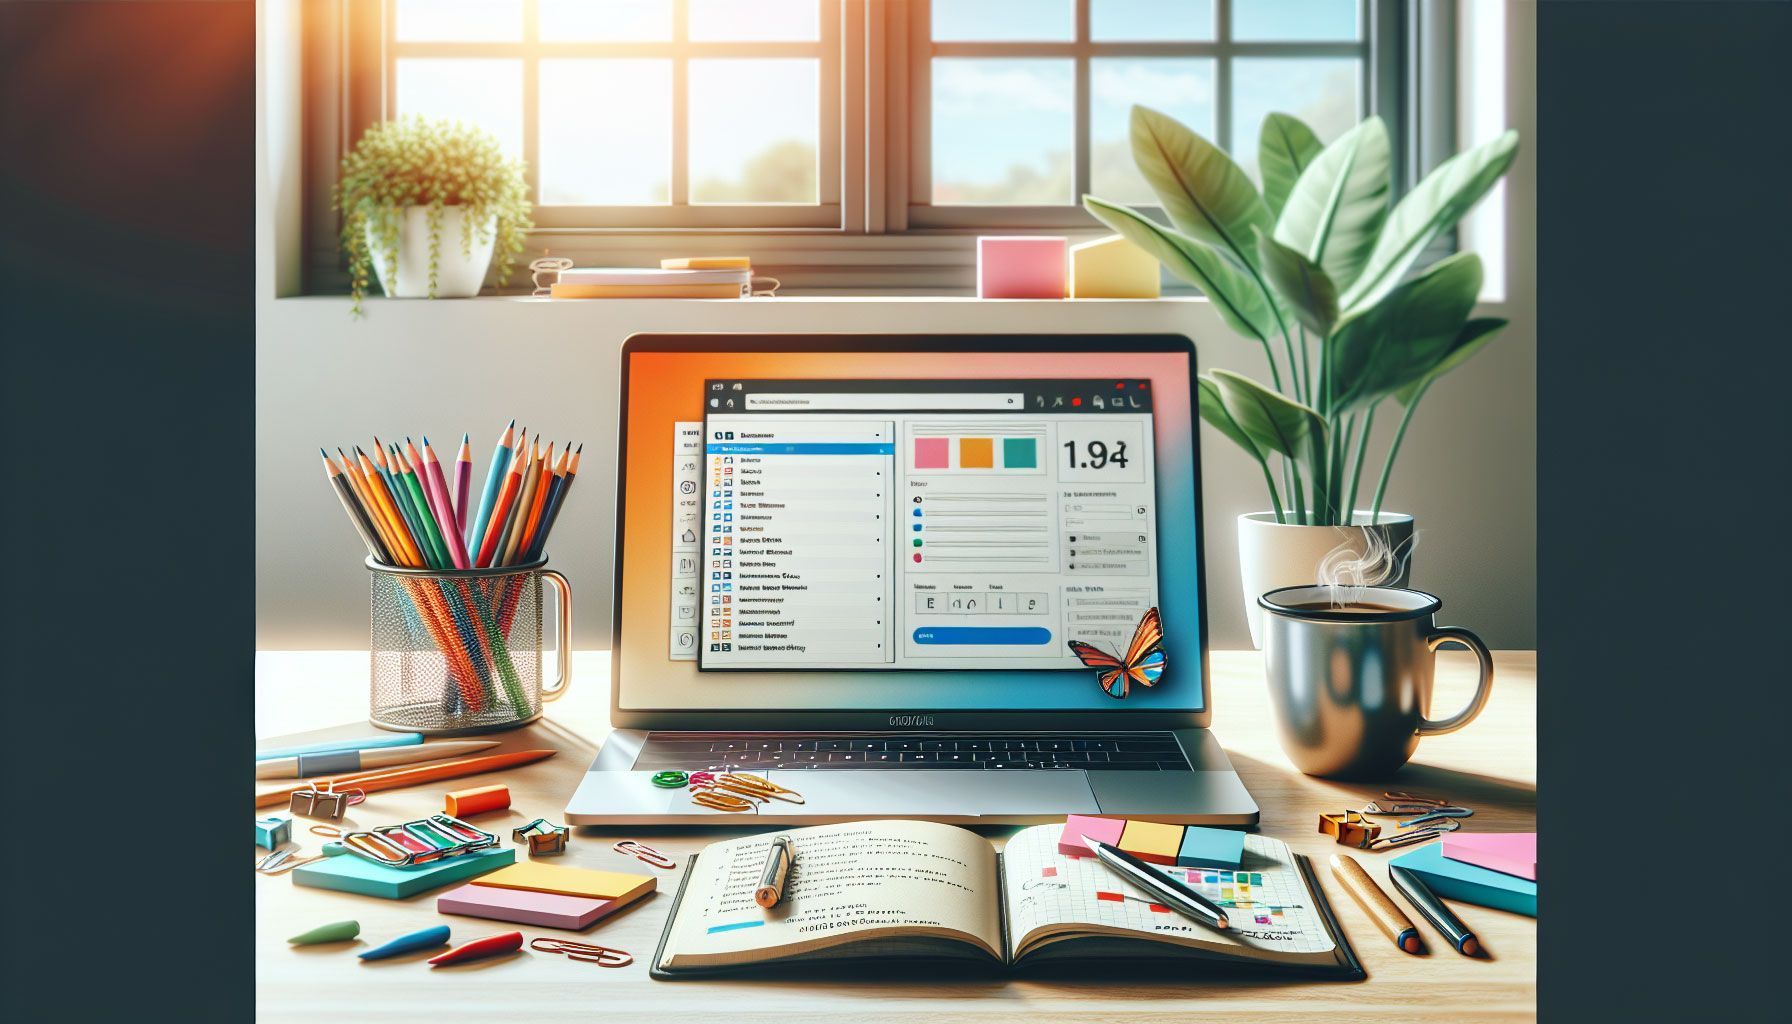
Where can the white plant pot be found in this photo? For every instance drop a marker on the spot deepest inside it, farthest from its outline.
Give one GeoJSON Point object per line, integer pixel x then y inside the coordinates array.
{"type": "Point", "coordinates": [458, 275]}
{"type": "Point", "coordinates": [1271, 554]}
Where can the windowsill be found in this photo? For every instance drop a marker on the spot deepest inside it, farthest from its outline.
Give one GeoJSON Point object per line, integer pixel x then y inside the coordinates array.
{"type": "Point", "coordinates": [857, 297]}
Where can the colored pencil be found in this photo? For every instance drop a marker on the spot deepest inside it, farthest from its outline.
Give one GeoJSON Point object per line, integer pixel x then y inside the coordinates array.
{"type": "Point", "coordinates": [463, 480]}
{"type": "Point", "coordinates": [506, 498]}
{"type": "Point", "coordinates": [395, 778]}
{"type": "Point", "coordinates": [555, 501]}
{"type": "Point", "coordinates": [356, 515]}
{"type": "Point", "coordinates": [379, 741]}
{"type": "Point", "coordinates": [382, 494]}
{"type": "Point", "coordinates": [525, 503]}
{"type": "Point", "coordinates": [357, 485]}
{"type": "Point", "coordinates": [553, 479]}
{"type": "Point", "coordinates": [544, 481]}
{"type": "Point", "coordinates": [494, 479]}
{"type": "Point", "coordinates": [435, 489]}
{"type": "Point", "coordinates": [420, 504]}
{"type": "Point", "coordinates": [300, 765]}
{"type": "Point", "coordinates": [401, 501]}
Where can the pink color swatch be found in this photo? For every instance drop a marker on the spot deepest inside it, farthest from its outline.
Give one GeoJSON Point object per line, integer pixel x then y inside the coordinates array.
{"type": "Point", "coordinates": [1509, 853]}
{"type": "Point", "coordinates": [520, 906]}
{"type": "Point", "coordinates": [1022, 267]}
{"type": "Point", "coordinates": [932, 453]}
{"type": "Point", "coordinates": [1106, 830]}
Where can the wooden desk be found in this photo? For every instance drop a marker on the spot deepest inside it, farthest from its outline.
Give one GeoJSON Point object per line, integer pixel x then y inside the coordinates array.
{"type": "Point", "coordinates": [1490, 766]}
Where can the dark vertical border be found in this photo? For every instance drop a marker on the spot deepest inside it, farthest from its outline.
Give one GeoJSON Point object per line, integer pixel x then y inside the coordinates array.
{"type": "Point", "coordinates": [127, 263]}
{"type": "Point", "coordinates": [1663, 374]}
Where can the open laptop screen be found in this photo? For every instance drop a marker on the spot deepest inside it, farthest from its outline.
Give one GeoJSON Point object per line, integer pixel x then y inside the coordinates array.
{"type": "Point", "coordinates": [899, 529]}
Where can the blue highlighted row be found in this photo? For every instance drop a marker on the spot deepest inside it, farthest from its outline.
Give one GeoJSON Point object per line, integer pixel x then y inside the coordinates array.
{"type": "Point", "coordinates": [736, 926]}
{"type": "Point", "coordinates": [811, 448]}
{"type": "Point", "coordinates": [1026, 636]}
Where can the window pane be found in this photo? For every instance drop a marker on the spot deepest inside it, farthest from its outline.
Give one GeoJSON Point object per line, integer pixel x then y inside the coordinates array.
{"type": "Point", "coordinates": [1002, 131]}
{"type": "Point", "coordinates": [596, 153]}
{"type": "Point", "coordinates": [985, 20]}
{"type": "Point", "coordinates": [1295, 19]}
{"type": "Point", "coordinates": [754, 131]}
{"type": "Point", "coordinates": [1180, 87]}
{"type": "Point", "coordinates": [605, 20]}
{"type": "Point", "coordinates": [459, 21]}
{"type": "Point", "coordinates": [734, 21]}
{"type": "Point", "coordinates": [485, 92]}
{"type": "Point", "coordinates": [1322, 91]}
{"type": "Point", "coordinates": [1145, 20]}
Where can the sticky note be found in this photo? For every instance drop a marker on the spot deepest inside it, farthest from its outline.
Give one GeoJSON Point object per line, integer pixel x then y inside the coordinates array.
{"type": "Point", "coordinates": [349, 873]}
{"type": "Point", "coordinates": [1454, 880]}
{"type": "Point", "coordinates": [1106, 830]}
{"type": "Point", "coordinates": [1151, 841]}
{"type": "Point", "coordinates": [521, 906]}
{"type": "Point", "coordinates": [1210, 848]}
{"type": "Point", "coordinates": [976, 453]}
{"type": "Point", "coordinates": [1510, 853]}
{"type": "Point", "coordinates": [1021, 266]}
{"type": "Point", "coordinates": [1020, 453]}
{"type": "Point", "coordinates": [930, 453]}
{"type": "Point", "coordinates": [551, 878]}
{"type": "Point", "coordinates": [1112, 268]}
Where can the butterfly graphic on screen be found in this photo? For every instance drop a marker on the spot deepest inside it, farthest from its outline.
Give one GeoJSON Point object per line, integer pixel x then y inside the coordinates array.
{"type": "Point", "coordinates": [1144, 663]}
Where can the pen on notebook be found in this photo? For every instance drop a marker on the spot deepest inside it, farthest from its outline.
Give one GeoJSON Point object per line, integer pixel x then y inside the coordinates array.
{"type": "Point", "coordinates": [1168, 891]}
{"type": "Point", "coordinates": [778, 862]}
{"type": "Point", "coordinates": [331, 762]}
{"type": "Point", "coordinates": [1420, 896]}
{"type": "Point", "coordinates": [1394, 924]}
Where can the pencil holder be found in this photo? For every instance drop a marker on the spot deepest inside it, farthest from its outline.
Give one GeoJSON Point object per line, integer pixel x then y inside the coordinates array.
{"type": "Point", "coordinates": [459, 651]}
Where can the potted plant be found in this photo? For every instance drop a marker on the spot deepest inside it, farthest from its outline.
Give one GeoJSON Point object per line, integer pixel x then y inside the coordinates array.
{"type": "Point", "coordinates": [1314, 270]}
{"type": "Point", "coordinates": [411, 183]}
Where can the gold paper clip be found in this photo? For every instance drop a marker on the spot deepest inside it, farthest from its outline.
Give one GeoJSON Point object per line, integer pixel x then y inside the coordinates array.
{"type": "Point", "coordinates": [754, 785]}
{"type": "Point", "coordinates": [644, 853]}
{"type": "Point", "coordinates": [1349, 829]}
{"type": "Point", "coordinates": [584, 952]}
{"type": "Point", "coordinates": [1416, 835]}
{"type": "Point", "coordinates": [1404, 803]}
{"type": "Point", "coordinates": [722, 801]}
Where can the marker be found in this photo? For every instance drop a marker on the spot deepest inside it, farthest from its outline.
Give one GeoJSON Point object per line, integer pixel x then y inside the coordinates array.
{"type": "Point", "coordinates": [777, 869]}
{"type": "Point", "coordinates": [1420, 895]}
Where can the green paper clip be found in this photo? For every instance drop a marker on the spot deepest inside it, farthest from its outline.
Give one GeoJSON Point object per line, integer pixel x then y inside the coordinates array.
{"type": "Point", "coordinates": [670, 780]}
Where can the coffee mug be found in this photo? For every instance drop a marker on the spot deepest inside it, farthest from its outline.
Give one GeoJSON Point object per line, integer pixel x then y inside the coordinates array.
{"type": "Point", "coordinates": [1351, 682]}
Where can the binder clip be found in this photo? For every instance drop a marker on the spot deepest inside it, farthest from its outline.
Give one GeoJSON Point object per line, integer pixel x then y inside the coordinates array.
{"type": "Point", "coordinates": [326, 802]}
{"type": "Point", "coordinates": [1349, 829]}
{"type": "Point", "coordinates": [273, 833]}
{"type": "Point", "coordinates": [543, 838]}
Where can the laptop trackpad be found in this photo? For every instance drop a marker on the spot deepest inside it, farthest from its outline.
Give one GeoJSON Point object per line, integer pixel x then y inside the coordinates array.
{"type": "Point", "coordinates": [945, 792]}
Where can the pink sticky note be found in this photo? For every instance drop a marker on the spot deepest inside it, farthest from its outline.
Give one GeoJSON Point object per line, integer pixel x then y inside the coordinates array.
{"type": "Point", "coordinates": [1509, 853]}
{"type": "Point", "coordinates": [1022, 266]}
{"type": "Point", "coordinates": [1107, 830]}
{"type": "Point", "coordinates": [932, 453]}
{"type": "Point", "coordinates": [520, 906]}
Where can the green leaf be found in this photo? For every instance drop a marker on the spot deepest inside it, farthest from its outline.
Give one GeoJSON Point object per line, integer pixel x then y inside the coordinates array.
{"type": "Point", "coordinates": [1301, 285]}
{"type": "Point", "coordinates": [1339, 203]}
{"type": "Point", "coordinates": [1430, 209]}
{"type": "Point", "coordinates": [1205, 194]}
{"type": "Point", "coordinates": [1234, 294]}
{"type": "Point", "coordinates": [1474, 334]}
{"type": "Point", "coordinates": [1285, 147]}
{"type": "Point", "coordinates": [1214, 412]}
{"type": "Point", "coordinates": [1397, 341]}
{"type": "Point", "coordinates": [1274, 423]}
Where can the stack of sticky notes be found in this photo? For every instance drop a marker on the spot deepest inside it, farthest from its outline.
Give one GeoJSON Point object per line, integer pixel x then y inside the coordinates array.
{"type": "Point", "coordinates": [1189, 846]}
{"type": "Point", "coordinates": [725, 277]}
{"type": "Point", "coordinates": [1490, 869]}
{"type": "Point", "coordinates": [546, 894]}
{"type": "Point", "coordinates": [346, 872]}
{"type": "Point", "coordinates": [1510, 853]}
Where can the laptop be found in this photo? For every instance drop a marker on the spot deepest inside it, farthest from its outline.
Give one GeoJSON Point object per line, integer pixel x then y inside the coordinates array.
{"type": "Point", "coordinates": [853, 565]}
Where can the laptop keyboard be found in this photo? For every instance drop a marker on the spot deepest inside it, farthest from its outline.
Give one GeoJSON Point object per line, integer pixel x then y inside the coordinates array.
{"type": "Point", "coordinates": [1135, 752]}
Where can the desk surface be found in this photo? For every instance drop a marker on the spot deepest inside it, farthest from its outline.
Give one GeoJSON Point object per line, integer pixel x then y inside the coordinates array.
{"type": "Point", "coordinates": [1490, 766]}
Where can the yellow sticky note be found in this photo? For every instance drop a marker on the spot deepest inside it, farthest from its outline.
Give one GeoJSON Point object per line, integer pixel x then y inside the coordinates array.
{"type": "Point", "coordinates": [551, 878]}
{"type": "Point", "coordinates": [1112, 268]}
{"type": "Point", "coordinates": [707, 263]}
{"type": "Point", "coordinates": [1146, 840]}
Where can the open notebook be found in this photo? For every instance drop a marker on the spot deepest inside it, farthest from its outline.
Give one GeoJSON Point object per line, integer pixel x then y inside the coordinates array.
{"type": "Point", "coordinates": [922, 890]}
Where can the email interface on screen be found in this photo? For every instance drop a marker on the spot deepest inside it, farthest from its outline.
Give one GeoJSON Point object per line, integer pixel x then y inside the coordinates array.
{"type": "Point", "coordinates": [919, 524]}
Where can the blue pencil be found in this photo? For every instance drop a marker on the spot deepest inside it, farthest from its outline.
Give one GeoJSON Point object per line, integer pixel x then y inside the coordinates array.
{"type": "Point", "coordinates": [384, 739]}
{"type": "Point", "coordinates": [493, 478]}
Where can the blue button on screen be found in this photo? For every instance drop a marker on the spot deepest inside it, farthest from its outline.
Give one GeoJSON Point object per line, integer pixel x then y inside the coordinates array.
{"type": "Point", "coordinates": [1031, 636]}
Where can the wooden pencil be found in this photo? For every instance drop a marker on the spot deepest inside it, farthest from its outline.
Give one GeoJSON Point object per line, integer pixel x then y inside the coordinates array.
{"type": "Point", "coordinates": [1376, 903]}
{"type": "Point", "coordinates": [408, 473]}
{"type": "Point", "coordinates": [401, 501]}
{"type": "Point", "coordinates": [525, 503]}
{"type": "Point", "coordinates": [394, 778]}
{"type": "Point", "coordinates": [463, 481]}
{"type": "Point", "coordinates": [435, 491]}
{"type": "Point", "coordinates": [494, 480]}
{"type": "Point", "coordinates": [544, 484]}
{"type": "Point", "coordinates": [357, 485]}
{"type": "Point", "coordinates": [556, 481]}
{"type": "Point", "coordinates": [382, 496]}
{"type": "Point", "coordinates": [555, 504]}
{"type": "Point", "coordinates": [357, 517]}
{"type": "Point", "coordinates": [501, 509]}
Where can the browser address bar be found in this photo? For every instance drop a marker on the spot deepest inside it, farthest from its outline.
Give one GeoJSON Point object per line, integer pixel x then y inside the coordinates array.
{"type": "Point", "coordinates": [771, 402]}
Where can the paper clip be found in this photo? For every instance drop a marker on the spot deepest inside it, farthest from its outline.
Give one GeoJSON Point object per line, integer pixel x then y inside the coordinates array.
{"type": "Point", "coordinates": [326, 802]}
{"type": "Point", "coordinates": [1349, 829]}
{"type": "Point", "coordinates": [542, 836]}
{"type": "Point", "coordinates": [703, 778]}
{"type": "Point", "coordinates": [722, 801]}
{"type": "Point", "coordinates": [756, 786]}
{"type": "Point", "coordinates": [423, 841]}
{"type": "Point", "coordinates": [282, 861]}
{"type": "Point", "coordinates": [644, 853]}
{"type": "Point", "coordinates": [1417, 835]}
{"type": "Point", "coordinates": [1404, 803]}
{"type": "Point", "coordinates": [584, 952]}
{"type": "Point", "coordinates": [327, 831]}
{"type": "Point", "coordinates": [1437, 817]}
{"type": "Point", "coordinates": [670, 780]}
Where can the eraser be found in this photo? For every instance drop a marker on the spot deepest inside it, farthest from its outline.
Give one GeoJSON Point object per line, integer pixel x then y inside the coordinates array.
{"type": "Point", "coordinates": [523, 906]}
{"type": "Point", "coordinates": [462, 803]}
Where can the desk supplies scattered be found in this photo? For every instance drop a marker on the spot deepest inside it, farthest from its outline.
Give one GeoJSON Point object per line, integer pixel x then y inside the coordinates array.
{"type": "Point", "coordinates": [273, 833]}
{"type": "Point", "coordinates": [323, 802]}
{"type": "Point", "coordinates": [423, 841]}
{"type": "Point", "coordinates": [644, 853]}
{"type": "Point", "coordinates": [1376, 903]}
{"type": "Point", "coordinates": [1470, 883]}
{"type": "Point", "coordinates": [523, 906]}
{"type": "Point", "coordinates": [335, 931]}
{"type": "Point", "coordinates": [544, 837]}
{"type": "Point", "coordinates": [1509, 853]}
{"type": "Point", "coordinates": [426, 938]}
{"type": "Point", "coordinates": [378, 740]}
{"type": "Point", "coordinates": [479, 949]}
{"type": "Point", "coordinates": [779, 859]}
{"type": "Point", "coordinates": [397, 778]}
{"type": "Point", "coordinates": [671, 780]}
{"type": "Point", "coordinates": [584, 952]}
{"type": "Point", "coordinates": [945, 893]}
{"type": "Point", "coordinates": [331, 762]}
{"type": "Point", "coordinates": [1351, 828]}
{"type": "Point", "coordinates": [1189, 846]}
{"type": "Point", "coordinates": [467, 802]}
{"type": "Point", "coordinates": [1432, 909]}
{"type": "Point", "coordinates": [566, 881]}
{"type": "Point", "coordinates": [1176, 895]}
{"type": "Point", "coordinates": [360, 875]}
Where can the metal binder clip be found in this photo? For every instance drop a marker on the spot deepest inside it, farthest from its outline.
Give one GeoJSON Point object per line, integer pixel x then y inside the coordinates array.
{"type": "Point", "coordinates": [584, 952]}
{"type": "Point", "coordinates": [326, 802]}
{"type": "Point", "coordinates": [542, 836]}
{"type": "Point", "coordinates": [1349, 829]}
{"type": "Point", "coordinates": [644, 853]}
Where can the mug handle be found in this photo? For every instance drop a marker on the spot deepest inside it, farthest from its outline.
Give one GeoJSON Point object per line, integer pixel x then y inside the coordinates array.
{"type": "Point", "coordinates": [563, 651]}
{"type": "Point", "coordinates": [1451, 634]}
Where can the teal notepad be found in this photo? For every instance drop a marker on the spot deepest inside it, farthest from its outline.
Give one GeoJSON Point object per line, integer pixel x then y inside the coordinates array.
{"type": "Point", "coordinates": [349, 873]}
{"type": "Point", "coordinates": [1455, 880]}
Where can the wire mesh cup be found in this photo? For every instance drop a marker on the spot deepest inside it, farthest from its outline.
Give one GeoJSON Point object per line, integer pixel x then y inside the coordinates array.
{"type": "Point", "coordinates": [459, 651]}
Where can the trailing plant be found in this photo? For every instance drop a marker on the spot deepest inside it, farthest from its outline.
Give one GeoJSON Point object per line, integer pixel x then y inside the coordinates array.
{"type": "Point", "coordinates": [416, 161]}
{"type": "Point", "coordinates": [1313, 268]}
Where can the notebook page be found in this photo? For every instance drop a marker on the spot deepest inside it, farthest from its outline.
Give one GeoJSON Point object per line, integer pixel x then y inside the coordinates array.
{"type": "Point", "coordinates": [914, 876]}
{"type": "Point", "coordinates": [1268, 908]}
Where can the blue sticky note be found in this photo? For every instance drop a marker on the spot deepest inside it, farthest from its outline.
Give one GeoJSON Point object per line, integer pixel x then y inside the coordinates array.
{"type": "Point", "coordinates": [1210, 848]}
{"type": "Point", "coordinates": [349, 873]}
{"type": "Point", "coordinates": [1470, 883]}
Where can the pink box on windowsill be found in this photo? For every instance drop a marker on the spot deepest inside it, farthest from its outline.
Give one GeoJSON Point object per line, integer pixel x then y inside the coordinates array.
{"type": "Point", "coordinates": [1022, 266]}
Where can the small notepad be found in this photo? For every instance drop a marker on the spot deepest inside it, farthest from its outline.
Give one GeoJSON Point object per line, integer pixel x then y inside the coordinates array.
{"type": "Point", "coordinates": [520, 906]}
{"type": "Point", "coordinates": [349, 873]}
{"type": "Point", "coordinates": [1510, 853]}
{"type": "Point", "coordinates": [564, 881]}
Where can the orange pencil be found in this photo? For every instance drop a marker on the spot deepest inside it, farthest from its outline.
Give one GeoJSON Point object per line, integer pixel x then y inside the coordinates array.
{"type": "Point", "coordinates": [357, 485]}
{"type": "Point", "coordinates": [542, 490]}
{"type": "Point", "coordinates": [513, 481]}
{"type": "Point", "coordinates": [382, 496]}
{"type": "Point", "coordinates": [524, 502]}
{"type": "Point", "coordinates": [394, 778]}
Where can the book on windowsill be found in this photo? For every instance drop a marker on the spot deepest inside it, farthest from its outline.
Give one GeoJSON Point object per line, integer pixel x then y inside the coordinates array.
{"type": "Point", "coordinates": [923, 891]}
{"type": "Point", "coordinates": [651, 283]}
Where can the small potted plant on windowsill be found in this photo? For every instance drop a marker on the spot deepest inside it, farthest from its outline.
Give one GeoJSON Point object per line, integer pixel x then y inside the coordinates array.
{"type": "Point", "coordinates": [1313, 268]}
{"type": "Point", "coordinates": [424, 204]}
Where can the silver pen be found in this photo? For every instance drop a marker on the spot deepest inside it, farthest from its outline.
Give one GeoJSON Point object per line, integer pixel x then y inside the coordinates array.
{"type": "Point", "coordinates": [1167, 890]}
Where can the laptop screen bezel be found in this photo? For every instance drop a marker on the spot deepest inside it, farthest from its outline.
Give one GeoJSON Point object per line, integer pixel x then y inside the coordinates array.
{"type": "Point", "coordinates": [1117, 718]}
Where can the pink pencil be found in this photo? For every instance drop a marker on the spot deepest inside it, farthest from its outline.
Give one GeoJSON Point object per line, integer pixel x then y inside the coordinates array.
{"type": "Point", "coordinates": [463, 481]}
{"type": "Point", "coordinates": [435, 487]}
